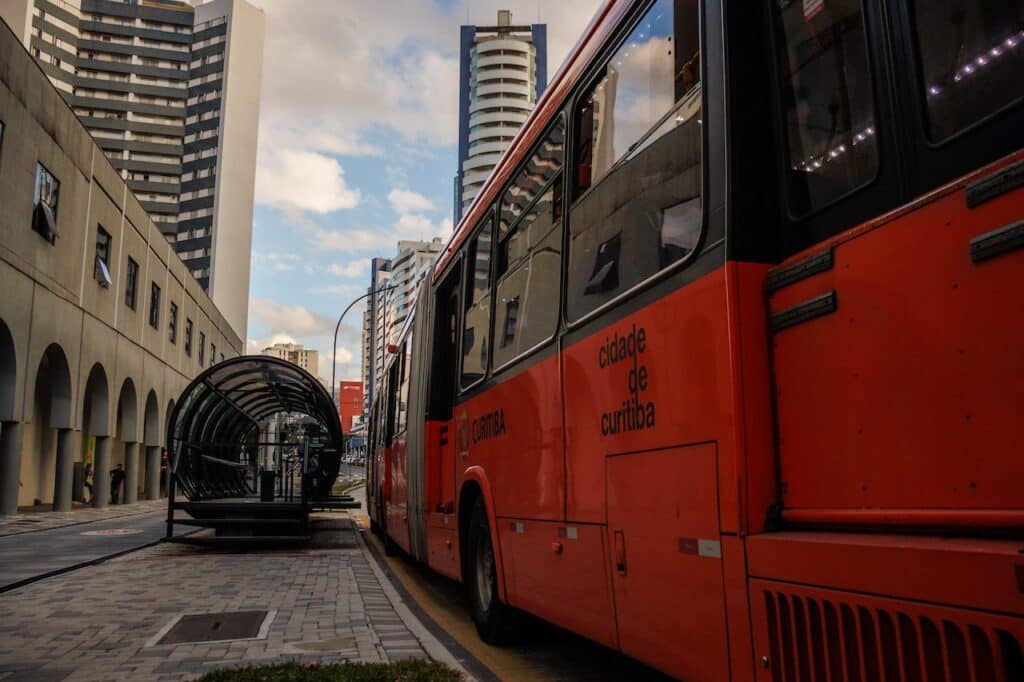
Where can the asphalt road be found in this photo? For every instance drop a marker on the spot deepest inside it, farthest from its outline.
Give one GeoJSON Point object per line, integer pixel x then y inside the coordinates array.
{"type": "Point", "coordinates": [30, 556]}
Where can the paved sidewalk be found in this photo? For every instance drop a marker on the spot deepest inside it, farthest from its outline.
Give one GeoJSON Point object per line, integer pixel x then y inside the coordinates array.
{"type": "Point", "coordinates": [102, 622]}
{"type": "Point", "coordinates": [26, 522]}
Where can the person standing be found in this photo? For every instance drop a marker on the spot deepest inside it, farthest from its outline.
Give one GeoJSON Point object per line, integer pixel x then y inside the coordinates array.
{"type": "Point", "coordinates": [117, 477]}
{"type": "Point", "coordinates": [88, 481]}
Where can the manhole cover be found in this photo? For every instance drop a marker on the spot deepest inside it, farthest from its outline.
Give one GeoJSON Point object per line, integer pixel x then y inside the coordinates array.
{"type": "Point", "coordinates": [113, 531]}
{"type": "Point", "coordinates": [215, 627]}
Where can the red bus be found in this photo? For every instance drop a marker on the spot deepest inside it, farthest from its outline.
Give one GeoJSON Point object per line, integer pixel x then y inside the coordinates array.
{"type": "Point", "coordinates": [724, 368]}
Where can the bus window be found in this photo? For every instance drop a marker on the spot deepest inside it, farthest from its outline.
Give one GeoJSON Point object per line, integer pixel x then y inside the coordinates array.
{"type": "Point", "coordinates": [477, 319]}
{"type": "Point", "coordinates": [526, 304]}
{"type": "Point", "coordinates": [391, 391]}
{"type": "Point", "coordinates": [531, 181]}
{"type": "Point", "coordinates": [827, 102]}
{"type": "Point", "coordinates": [403, 360]}
{"type": "Point", "coordinates": [971, 57]}
{"type": "Point", "coordinates": [637, 182]}
{"type": "Point", "coordinates": [529, 262]}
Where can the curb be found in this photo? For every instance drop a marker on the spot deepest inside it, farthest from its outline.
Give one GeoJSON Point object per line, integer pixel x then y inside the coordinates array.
{"type": "Point", "coordinates": [421, 624]}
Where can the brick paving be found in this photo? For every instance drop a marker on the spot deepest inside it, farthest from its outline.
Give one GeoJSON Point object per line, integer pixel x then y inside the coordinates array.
{"type": "Point", "coordinates": [101, 622]}
{"type": "Point", "coordinates": [26, 522]}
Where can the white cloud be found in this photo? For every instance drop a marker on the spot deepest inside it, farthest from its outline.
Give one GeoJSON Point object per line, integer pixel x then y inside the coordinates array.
{"type": "Point", "coordinates": [278, 318]}
{"type": "Point", "coordinates": [306, 180]}
{"type": "Point", "coordinates": [338, 72]}
{"type": "Point", "coordinates": [283, 262]}
{"type": "Point", "coordinates": [355, 268]}
{"type": "Point", "coordinates": [407, 201]}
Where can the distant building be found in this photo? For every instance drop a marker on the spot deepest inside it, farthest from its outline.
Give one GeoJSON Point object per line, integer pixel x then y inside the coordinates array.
{"type": "Point", "coordinates": [408, 268]}
{"type": "Point", "coordinates": [171, 94]}
{"type": "Point", "coordinates": [393, 286]}
{"type": "Point", "coordinates": [374, 324]}
{"type": "Point", "coordinates": [297, 354]}
{"type": "Point", "coordinates": [350, 404]}
{"type": "Point", "coordinates": [503, 71]}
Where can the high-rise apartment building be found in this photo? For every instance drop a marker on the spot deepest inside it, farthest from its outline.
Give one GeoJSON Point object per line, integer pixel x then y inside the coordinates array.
{"type": "Point", "coordinates": [503, 71]}
{"type": "Point", "coordinates": [394, 283]}
{"type": "Point", "coordinates": [170, 92]}
{"type": "Point", "coordinates": [374, 324]}
{"type": "Point", "coordinates": [408, 267]}
{"type": "Point", "coordinates": [219, 162]}
{"type": "Point", "coordinates": [297, 354]}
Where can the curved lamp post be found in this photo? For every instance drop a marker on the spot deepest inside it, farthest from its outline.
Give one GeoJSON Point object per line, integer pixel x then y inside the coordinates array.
{"type": "Point", "coordinates": [334, 348]}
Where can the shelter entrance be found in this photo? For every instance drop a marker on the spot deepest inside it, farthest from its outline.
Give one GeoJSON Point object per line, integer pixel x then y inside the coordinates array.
{"type": "Point", "coordinates": [255, 443]}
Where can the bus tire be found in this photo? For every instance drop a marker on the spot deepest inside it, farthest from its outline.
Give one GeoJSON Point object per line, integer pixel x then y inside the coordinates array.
{"type": "Point", "coordinates": [489, 614]}
{"type": "Point", "coordinates": [390, 549]}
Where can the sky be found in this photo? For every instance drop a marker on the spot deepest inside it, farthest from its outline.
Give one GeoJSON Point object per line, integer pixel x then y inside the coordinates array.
{"type": "Point", "coordinates": [358, 149]}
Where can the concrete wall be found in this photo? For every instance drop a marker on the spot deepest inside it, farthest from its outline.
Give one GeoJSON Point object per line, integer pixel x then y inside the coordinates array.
{"type": "Point", "coordinates": [53, 306]}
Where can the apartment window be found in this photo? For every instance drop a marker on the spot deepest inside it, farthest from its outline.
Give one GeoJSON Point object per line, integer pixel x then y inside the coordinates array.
{"type": "Point", "coordinates": [44, 217]}
{"type": "Point", "coordinates": [172, 323]}
{"type": "Point", "coordinates": [101, 270]}
{"type": "Point", "coordinates": [202, 349]}
{"type": "Point", "coordinates": [213, 354]}
{"type": "Point", "coordinates": [131, 285]}
{"type": "Point", "coordinates": [188, 337]}
{"type": "Point", "coordinates": [154, 305]}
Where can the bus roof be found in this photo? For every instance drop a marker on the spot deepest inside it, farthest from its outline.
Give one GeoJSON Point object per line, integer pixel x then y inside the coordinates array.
{"type": "Point", "coordinates": [586, 48]}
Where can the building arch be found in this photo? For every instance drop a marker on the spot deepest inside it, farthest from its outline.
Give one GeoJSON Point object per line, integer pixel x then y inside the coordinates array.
{"type": "Point", "coordinates": [51, 411]}
{"type": "Point", "coordinates": [165, 435]}
{"type": "Point", "coordinates": [127, 413]}
{"type": "Point", "coordinates": [96, 403]}
{"type": "Point", "coordinates": [151, 420]}
{"type": "Point", "coordinates": [8, 373]}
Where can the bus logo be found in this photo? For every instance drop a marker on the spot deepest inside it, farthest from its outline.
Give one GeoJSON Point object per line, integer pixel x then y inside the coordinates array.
{"type": "Point", "coordinates": [463, 434]}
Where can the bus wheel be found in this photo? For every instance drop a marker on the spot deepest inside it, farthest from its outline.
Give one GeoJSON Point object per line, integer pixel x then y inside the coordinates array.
{"type": "Point", "coordinates": [389, 545]}
{"type": "Point", "coordinates": [489, 614]}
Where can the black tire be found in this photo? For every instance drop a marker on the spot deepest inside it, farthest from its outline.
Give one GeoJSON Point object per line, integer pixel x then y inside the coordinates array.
{"type": "Point", "coordinates": [492, 618]}
{"type": "Point", "coordinates": [390, 548]}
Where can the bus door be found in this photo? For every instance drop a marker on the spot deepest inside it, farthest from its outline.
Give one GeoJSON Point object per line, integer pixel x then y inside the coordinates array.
{"type": "Point", "coordinates": [439, 450]}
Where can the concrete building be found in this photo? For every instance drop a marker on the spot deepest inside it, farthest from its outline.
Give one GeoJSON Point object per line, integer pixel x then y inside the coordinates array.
{"type": "Point", "coordinates": [503, 71]}
{"type": "Point", "coordinates": [297, 354]}
{"type": "Point", "coordinates": [101, 324]}
{"type": "Point", "coordinates": [350, 404]}
{"type": "Point", "coordinates": [171, 94]}
{"type": "Point", "coordinates": [393, 286]}
{"type": "Point", "coordinates": [219, 164]}
{"type": "Point", "coordinates": [374, 323]}
{"type": "Point", "coordinates": [408, 268]}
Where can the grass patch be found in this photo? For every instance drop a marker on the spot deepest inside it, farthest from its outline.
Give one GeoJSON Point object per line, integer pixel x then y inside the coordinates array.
{"type": "Point", "coordinates": [401, 671]}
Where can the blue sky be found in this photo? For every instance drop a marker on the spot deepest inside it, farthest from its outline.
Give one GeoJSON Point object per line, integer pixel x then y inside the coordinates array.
{"type": "Point", "coordinates": [357, 149]}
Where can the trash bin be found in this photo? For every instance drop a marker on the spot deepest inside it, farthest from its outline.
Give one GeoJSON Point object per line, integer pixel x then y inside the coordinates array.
{"type": "Point", "coordinates": [267, 486]}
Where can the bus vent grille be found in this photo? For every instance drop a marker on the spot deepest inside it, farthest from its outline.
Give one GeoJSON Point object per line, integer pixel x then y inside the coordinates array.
{"type": "Point", "coordinates": [813, 638]}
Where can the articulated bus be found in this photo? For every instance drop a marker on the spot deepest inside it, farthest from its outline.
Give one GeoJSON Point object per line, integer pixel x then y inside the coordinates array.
{"type": "Point", "coordinates": [724, 366]}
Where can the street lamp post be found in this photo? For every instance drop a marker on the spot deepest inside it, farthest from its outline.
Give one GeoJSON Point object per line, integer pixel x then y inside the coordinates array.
{"type": "Point", "coordinates": [334, 348]}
